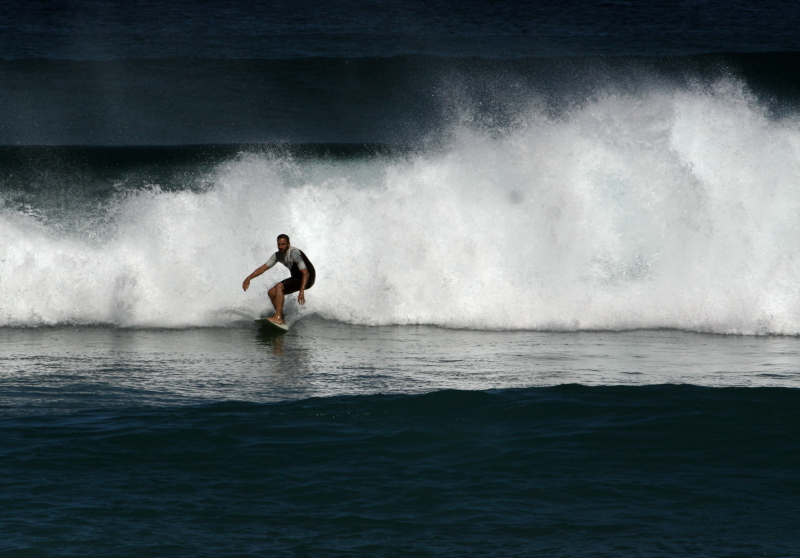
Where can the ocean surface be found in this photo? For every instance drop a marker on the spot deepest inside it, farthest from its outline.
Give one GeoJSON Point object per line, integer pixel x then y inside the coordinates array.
{"type": "Point", "coordinates": [557, 310]}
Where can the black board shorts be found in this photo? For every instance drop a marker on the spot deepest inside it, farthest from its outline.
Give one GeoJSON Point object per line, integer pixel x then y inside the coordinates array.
{"type": "Point", "coordinates": [292, 284]}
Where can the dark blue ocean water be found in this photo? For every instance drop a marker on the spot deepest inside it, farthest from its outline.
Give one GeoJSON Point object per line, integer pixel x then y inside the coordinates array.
{"type": "Point", "coordinates": [139, 73]}
{"type": "Point", "coordinates": [563, 471]}
{"type": "Point", "coordinates": [556, 311]}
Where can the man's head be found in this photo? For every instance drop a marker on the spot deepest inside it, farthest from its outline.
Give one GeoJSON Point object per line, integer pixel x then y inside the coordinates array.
{"type": "Point", "coordinates": [283, 243]}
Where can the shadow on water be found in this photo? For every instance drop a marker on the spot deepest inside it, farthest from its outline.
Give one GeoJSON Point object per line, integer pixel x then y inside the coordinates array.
{"type": "Point", "coordinates": [271, 339]}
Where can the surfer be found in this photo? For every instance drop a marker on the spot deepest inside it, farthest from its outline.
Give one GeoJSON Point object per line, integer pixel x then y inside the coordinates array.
{"type": "Point", "coordinates": [303, 276]}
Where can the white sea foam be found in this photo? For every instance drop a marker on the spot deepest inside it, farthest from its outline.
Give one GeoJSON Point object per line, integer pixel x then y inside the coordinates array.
{"type": "Point", "coordinates": [676, 209]}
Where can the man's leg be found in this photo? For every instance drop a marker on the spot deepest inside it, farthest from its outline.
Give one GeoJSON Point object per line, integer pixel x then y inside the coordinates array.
{"type": "Point", "coordinates": [273, 297]}
{"type": "Point", "coordinates": [276, 296]}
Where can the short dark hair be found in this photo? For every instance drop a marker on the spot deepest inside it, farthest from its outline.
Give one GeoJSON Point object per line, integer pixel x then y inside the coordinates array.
{"type": "Point", "coordinates": [286, 236]}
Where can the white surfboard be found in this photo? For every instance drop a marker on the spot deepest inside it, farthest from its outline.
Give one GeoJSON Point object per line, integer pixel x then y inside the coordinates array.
{"type": "Point", "coordinates": [272, 326]}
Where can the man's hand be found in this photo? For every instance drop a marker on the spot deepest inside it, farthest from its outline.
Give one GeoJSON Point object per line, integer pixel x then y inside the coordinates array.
{"type": "Point", "coordinates": [301, 298]}
{"type": "Point", "coordinates": [253, 275]}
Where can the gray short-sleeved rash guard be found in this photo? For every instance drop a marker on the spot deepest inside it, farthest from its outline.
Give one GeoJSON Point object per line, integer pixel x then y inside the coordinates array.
{"type": "Point", "coordinates": [290, 258]}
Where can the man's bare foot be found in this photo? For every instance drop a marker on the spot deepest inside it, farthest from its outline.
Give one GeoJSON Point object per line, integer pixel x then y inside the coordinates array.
{"type": "Point", "coordinates": [276, 320]}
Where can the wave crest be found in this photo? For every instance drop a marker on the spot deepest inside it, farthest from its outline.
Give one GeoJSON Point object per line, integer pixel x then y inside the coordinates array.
{"type": "Point", "coordinates": [660, 210]}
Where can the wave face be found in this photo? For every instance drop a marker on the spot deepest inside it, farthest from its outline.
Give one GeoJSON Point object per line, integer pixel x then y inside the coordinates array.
{"type": "Point", "coordinates": [642, 471]}
{"type": "Point", "coordinates": [400, 100]}
{"type": "Point", "coordinates": [668, 208]}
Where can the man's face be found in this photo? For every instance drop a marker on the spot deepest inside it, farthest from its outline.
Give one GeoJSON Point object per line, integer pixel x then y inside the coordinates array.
{"type": "Point", "coordinates": [283, 244]}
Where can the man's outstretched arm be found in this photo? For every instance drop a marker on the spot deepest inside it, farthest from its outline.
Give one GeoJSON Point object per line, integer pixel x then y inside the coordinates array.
{"type": "Point", "coordinates": [253, 275]}
{"type": "Point", "coordinates": [301, 296]}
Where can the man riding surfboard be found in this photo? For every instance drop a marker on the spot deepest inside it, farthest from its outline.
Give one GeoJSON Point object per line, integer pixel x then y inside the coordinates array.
{"type": "Point", "coordinates": [303, 276]}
